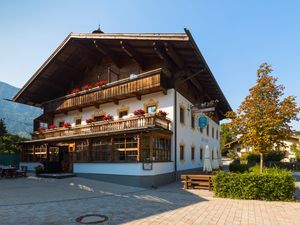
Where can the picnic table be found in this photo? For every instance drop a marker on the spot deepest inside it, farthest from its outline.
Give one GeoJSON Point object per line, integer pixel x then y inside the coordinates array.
{"type": "Point", "coordinates": [200, 181]}
{"type": "Point", "coordinates": [8, 171]}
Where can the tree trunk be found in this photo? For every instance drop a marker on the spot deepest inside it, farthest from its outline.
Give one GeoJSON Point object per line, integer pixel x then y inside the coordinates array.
{"type": "Point", "coordinates": [261, 162]}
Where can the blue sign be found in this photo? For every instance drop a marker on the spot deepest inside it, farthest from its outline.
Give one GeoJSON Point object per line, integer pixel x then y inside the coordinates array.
{"type": "Point", "coordinates": [202, 121]}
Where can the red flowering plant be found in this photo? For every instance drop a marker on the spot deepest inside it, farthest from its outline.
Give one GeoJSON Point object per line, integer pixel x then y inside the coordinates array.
{"type": "Point", "coordinates": [108, 117]}
{"type": "Point", "coordinates": [139, 112]}
{"type": "Point", "coordinates": [75, 91]}
{"type": "Point", "coordinates": [90, 121]}
{"type": "Point", "coordinates": [162, 113]}
{"type": "Point", "coordinates": [41, 129]}
{"type": "Point", "coordinates": [87, 87]}
{"type": "Point", "coordinates": [100, 83]}
{"type": "Point", "coordinates": [51, 126]}
{"type": "Point", "coordinates": [67, 125]}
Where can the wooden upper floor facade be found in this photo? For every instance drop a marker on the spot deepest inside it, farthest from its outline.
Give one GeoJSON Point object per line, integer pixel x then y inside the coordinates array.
{"type": "Point", "coordinates": [91, 69]}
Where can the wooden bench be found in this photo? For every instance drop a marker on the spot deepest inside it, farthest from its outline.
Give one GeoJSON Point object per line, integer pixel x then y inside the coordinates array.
{"type": "Point", "coordinates": [197, 181]}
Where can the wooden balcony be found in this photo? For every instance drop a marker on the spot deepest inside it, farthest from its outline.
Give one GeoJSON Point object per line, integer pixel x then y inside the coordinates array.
{"type": "Point", "coordinates": [149, 82]}
{"type": "Point", "coordinates": [132, 123]}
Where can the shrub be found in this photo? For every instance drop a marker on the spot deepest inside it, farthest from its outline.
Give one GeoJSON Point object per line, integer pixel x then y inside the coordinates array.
{"type": "Point", "coordinates": [253, 157]}
{"type": "Point", "coordinates": [232, 154]}
{"type": "Point", "coordinates": [238, 168]}
{"type": "Point", "coordinates": [38, 170]}
{"type": "Point", "coordinates": [272, 185]}
{"type": "Point", "coordinates": [274, 156]}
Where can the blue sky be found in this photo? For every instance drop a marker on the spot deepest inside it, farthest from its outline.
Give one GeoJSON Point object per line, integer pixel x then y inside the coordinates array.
{"type": "Point", "coordinates": [235, 37]}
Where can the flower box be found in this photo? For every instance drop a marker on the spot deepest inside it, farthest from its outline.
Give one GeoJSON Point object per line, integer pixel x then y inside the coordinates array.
{"type": "Point", "coordinates": [162, 113]}
{"type": "Point", "coordinates": [52, 126]}
{"type": "Point", "coordinates": [108, 117]}
{"type": "Point", "coordinates": [139, 112]}
{"type": "Point", "coordinates": [67, 125]}
{"type": "Point", "coordinates": [90, 121]}
{"type": "Point", "coordinates": [101, 83]}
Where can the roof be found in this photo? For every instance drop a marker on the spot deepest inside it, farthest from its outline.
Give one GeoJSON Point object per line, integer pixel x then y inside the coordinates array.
{"type": "Point", "coordinates": [80, 51]}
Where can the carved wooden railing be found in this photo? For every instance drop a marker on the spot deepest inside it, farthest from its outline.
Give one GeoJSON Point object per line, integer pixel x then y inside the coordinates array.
{"type": "Point", "coordinates": [130, 87]}
{"type": "Point", "coordinates": [132, 123]}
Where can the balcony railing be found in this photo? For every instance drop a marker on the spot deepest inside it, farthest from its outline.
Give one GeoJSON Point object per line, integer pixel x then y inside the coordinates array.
{"type": "Point", "coordinates": [131, 123]}
{"type": "Point", "coordinates": [145, 83]}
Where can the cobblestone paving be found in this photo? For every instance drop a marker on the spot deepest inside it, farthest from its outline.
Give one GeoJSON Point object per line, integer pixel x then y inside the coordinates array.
{"type": "Point", "coordinates": [35, 201]}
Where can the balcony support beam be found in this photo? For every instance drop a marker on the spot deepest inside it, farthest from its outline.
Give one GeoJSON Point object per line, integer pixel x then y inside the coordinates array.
{"type": "Point", "coordinates": [106, 52]}
{"type": "Point", "coordinates": [173, 55]}
{"type": "Point", "coordinates": [132, 54]}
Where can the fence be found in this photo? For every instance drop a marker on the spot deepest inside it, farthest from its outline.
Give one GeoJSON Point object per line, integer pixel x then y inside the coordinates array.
{"type": "Point", "coordinates": [10, 159]}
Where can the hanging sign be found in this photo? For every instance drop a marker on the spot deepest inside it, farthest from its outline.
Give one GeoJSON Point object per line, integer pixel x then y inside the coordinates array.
{"type": "Point", "coordinates": [202, 121]}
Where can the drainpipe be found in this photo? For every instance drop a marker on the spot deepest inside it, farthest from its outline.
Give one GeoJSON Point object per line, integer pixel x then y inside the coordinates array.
{"type": "Point", "coordinates": [175, 133]}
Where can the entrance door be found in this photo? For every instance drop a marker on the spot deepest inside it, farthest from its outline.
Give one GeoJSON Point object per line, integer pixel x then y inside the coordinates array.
{"type": "Point", "coordinates": [68, 152]}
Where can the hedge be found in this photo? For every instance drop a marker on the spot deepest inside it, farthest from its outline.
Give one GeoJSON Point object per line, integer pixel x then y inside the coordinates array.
{"type": "Point", "coordinates": [238, 168]}
{"type": "Point", "coordinates": [271, 185]}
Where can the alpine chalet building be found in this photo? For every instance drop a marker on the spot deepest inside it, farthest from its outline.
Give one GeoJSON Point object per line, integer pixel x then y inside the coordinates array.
{"type": "Point", "coordinates": [123, 108]}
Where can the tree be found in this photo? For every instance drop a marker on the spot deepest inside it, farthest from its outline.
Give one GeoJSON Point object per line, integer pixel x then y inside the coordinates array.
{"type": "Point", "coordinates": [9, 143]}
{"type": "Point", "coordinates": [296, 151]}
{"type": "Point", "coordinates": [262, 121]}
{"type": "Point", "coordinates": [225, 137]}
{"type": "Point", "coordinates": [2, 127]}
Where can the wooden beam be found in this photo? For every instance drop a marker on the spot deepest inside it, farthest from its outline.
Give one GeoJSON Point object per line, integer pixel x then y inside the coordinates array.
{"type": "Point", "coordinates": [192, 75]}
{"type": "Point", "coordinates": [68, 66]}
{"type": "Point", "coordinates": [162, 55]}
{"type": "Point", "coordinates": [132, 54]}
{"type": "Point", "coordinates": [106, 52]}
{"type": "Point", "coordinates": [97, 106]}
{"type": "Point", "coordinates": [173, 55]}
{"type": "Point", "coordinates": [92, 54]}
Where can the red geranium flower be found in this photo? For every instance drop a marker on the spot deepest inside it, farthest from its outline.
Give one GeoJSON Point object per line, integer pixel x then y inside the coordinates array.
{"type": "Point", "coordinates": [51, 126]}
{"type": "Point", "coordinates": [75, 91]}
{"type": "Point", "coordinates": [90, 120]}
{"type": "Point", "coordinates": [162, 113]}
{"type": "Point", "coordinates": [100, 83]}
{"type": "Point", "coordinates": [87, 87]}
{"type": "Point", "coordinates": [139, 112]}
{"type": "Point", "coordinates": [108, 117]}
{"type": "Point", "coordinates": [67, 124]}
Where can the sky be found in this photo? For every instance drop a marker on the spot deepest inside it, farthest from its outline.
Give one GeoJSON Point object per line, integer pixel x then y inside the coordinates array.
{"type": "Point", "coordinates": [234, 36]}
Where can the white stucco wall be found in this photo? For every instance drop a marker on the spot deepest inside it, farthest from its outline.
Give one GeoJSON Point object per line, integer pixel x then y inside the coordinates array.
{"type": "Point", "coordinates": [30, 165]}
{"type": "Point", "coordinates": [129, 169]}
{"type": "Point", "coordinates": [193, 137]}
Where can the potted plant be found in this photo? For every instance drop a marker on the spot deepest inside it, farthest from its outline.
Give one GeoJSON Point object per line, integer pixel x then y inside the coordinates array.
{"type": "Point", "coordinates": [39, 170]}
{"type": "Point", "coordinates": [90, 121]}
{"type": "Point", "coordinates": [87, 87]}
{"type": "Point", "coordinates": [67, 125]}
{"type": "Point", "coordinates": [41, 129]}
{"type": "Point", "coordinates": [162, 113]}
{"type": "Point", "coordinates": [139, 112]}
{"type": "Point", "coordinates": [75, 91]}
{"type": "Point", "coordinates": [108, 117]}
{"type": "Point", "coordinates": [52, 126]}
{"type": "Point", "coordinates": [101, 83]}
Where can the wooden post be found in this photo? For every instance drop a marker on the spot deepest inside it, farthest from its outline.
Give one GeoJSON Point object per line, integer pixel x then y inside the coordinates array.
{"type": "Point", "coordinates": [90, 148]}
{"type": "Point", "coordinates": [111, 149]}
{"type": "Point", "coordinates": [139, 147]}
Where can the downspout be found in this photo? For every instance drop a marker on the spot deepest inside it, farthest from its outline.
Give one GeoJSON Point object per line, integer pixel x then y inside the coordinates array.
{"type": "Point", "coordinates": [175, 133]}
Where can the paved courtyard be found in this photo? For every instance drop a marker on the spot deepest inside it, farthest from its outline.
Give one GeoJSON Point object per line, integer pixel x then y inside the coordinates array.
{"type": "Point", "coordinates": [34, 201]}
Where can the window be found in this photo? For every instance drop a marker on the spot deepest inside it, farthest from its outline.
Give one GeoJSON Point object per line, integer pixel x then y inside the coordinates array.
{"type": "Point", "coordinates": [101, 149]}
{"type": "Point", "coordinates": [28, 153]}
{"type": "Point", "coordinates": [207, 129]}
{"type": "Point", "coordinates": [61, 123]}
{"type": "Point", "coordinates": [192, 121]}
{"type": "Point", "coordinates": [123, 113]}
{"type": "Point", "coordinates": [181, 152]}
{"type": "Point", "coordinates": [201, 153]}
{"type": "Point", "coordinates": [78, 121]}
{"type": "Point", "coordinates": [217, 134]}
{"type": "Point", "coordinates": [212, 154]}
{"type": "Point", "coordinates": [161, 149]}
{"type": "Point", "coordinates": [98, 118]}
{"type": "Point", "coordinates": [81, 148]}
{"type": "Point", "coordinates": [151, 109]}
{"type": "Point", "coordinates": [40, 153]}
{"type": "Point", "coordinates": [181, 114]}
{"type": "Point", "coordinates": [126, 148]}
{"type": "Point", "coordinates": [193, 153]}
{"type": "Point", "coordinates": [201, 130]}
{"type": "Point", "coordinates": [213, 132]}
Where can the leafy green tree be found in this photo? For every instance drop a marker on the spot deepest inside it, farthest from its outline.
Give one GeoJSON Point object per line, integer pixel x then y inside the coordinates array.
{"type": "Point", "coordinates": [226, 136]}
{"type": "Point", "coordinates": [9, 143]}
{"type": "Point", "coordinates": [2, 127]}
{"type": "Point", "coordinates": [296, 151]}
{"type": "Point", "coordinates": [263, 119]}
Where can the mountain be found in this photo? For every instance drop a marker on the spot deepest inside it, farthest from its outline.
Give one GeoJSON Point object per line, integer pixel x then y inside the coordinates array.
{"type": "Point", "coordinates": [18, 117]}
